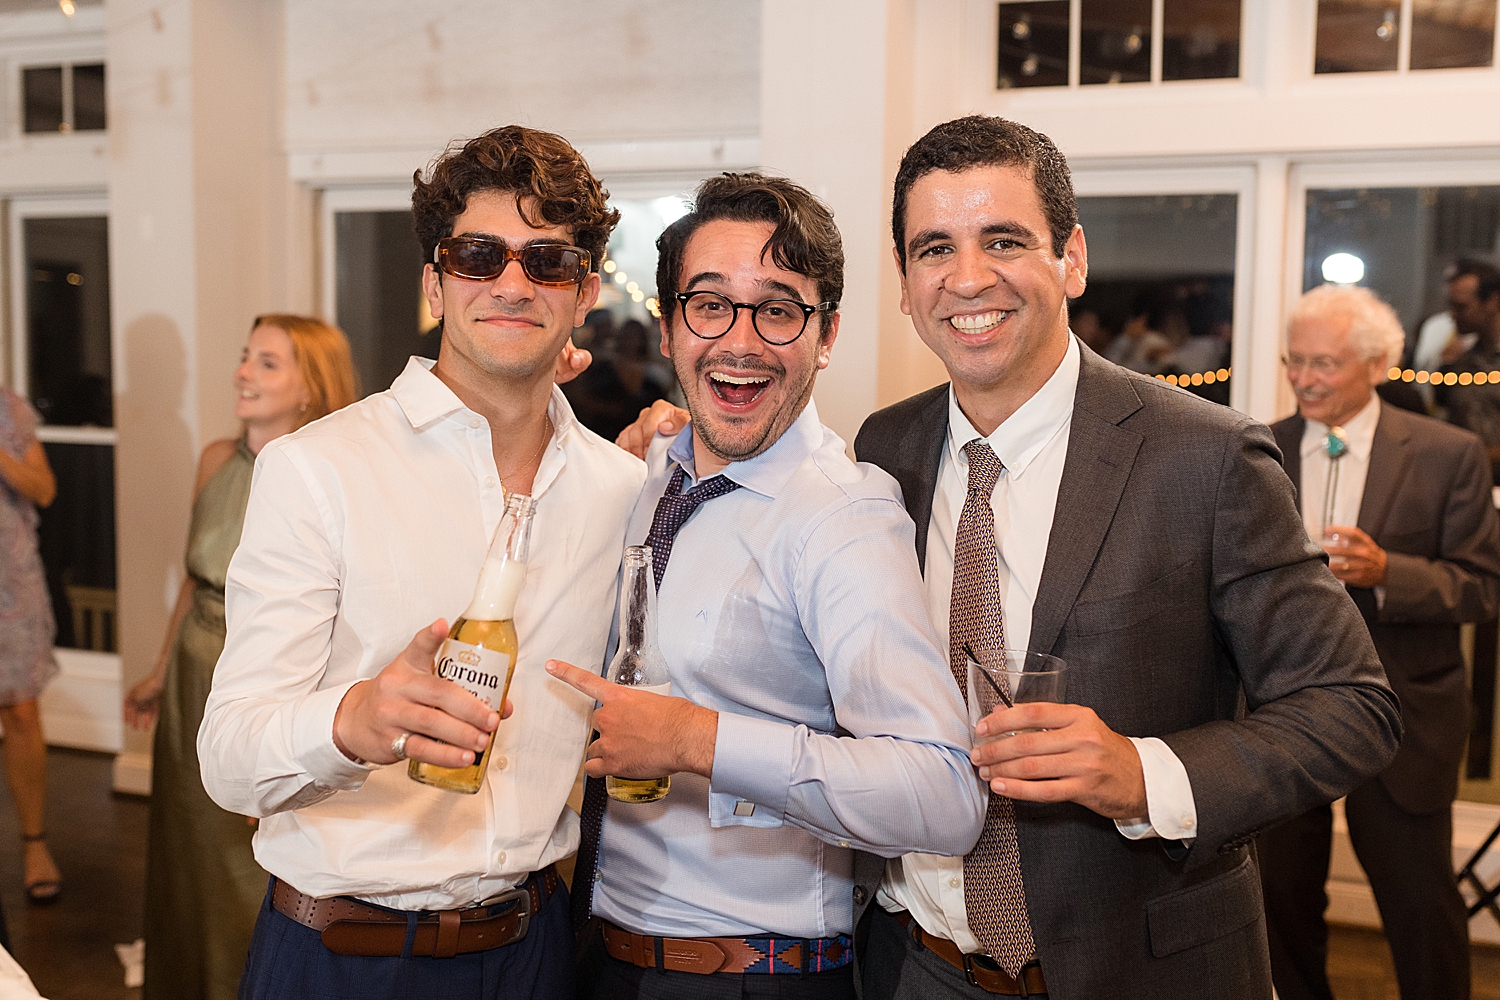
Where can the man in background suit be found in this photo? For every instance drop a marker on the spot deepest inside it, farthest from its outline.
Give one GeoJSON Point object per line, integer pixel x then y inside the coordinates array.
{"type": "Point", "coordinates": [1148, 538]}
{"type": "Point", "coordinates": [1402, 503]}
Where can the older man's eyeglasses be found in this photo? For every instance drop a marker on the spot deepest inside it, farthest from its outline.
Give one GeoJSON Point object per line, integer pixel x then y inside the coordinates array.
{"type": "Point", "coordinates": [778, 322]}
{"type": "Point", "coordinates": [555, 265]}
{"type": "Point", "coordinates": [1318, 364]}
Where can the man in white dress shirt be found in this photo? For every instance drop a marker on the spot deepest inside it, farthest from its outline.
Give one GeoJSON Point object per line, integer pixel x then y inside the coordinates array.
{"type": "Point", "coordinates": [816, 714]}
{"type": "Point", "coordinates": [1402, 504]}
{"type": "Point", "coordinates": [371, 525]}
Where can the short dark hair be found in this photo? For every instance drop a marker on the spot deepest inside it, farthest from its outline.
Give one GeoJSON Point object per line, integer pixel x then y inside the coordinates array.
{"type": "Point", "coordinates": [982, 141]}
{"type": "Point", "coordinates": [1489, 277]}
{"type": "Point", "coordinates": [529, 163]}
{"type": "Point", "coordinates": [805, 240]}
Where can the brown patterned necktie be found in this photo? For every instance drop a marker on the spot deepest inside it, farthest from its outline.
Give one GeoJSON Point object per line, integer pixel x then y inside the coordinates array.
{"type": "Point", "coordinates": [993, 892]}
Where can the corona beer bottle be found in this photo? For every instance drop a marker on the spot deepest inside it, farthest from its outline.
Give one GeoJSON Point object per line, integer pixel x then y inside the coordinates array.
{"type": "Point", "coordinates": [479, 654]}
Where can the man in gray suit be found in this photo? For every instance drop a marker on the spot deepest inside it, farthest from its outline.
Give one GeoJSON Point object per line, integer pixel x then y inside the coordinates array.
{"type": "Point", "coordinates": [1402, 503]}
{"type": "Point", "coordinates": [1220, 679]}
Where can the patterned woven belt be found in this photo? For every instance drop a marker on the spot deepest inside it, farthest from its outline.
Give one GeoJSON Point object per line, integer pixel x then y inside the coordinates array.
{"type": "Point", "coordinates": [767, 955]}
{"type": "Point", "coordinates": [352, 927]}
{"type": "Point", "coordinates": [979, 970]}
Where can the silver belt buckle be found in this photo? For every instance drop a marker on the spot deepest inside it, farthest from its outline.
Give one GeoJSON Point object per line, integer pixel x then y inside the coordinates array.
{"type": "Point", "coordinates": [523, 906]}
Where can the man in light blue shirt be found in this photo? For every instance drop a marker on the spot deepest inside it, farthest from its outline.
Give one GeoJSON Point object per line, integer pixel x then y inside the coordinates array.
{"type": "Point", "coordinates": [813, 711]}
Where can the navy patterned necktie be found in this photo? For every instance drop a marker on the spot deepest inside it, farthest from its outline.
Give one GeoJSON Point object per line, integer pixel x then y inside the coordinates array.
{"type": "Point", "coordinates": [993, 891]}
{"type": "Point", "coordinates": [672, 512]}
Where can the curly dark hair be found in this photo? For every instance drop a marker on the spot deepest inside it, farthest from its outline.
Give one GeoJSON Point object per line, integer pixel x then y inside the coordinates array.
{"type": "Point", "coordinates": [982, 141]}
{"type": "Point", "coordinates": [805, 240]}
{"type": "Point", "coordinates": [532, 164]}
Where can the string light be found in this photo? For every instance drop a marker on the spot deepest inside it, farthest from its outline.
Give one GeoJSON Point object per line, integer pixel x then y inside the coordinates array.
{"type": "Point", "coordinates": [1198, 378]}
{"type": "Point", "coordinates": [1444, 378]}
{"type": "Point", "coordinates": [67, 7]}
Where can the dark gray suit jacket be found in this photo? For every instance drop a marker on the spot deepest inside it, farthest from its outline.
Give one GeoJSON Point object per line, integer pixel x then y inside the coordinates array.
{"type": "Point", "coordinates": [1427, 503]}
{"type": "Point", "coordinates": [1183, 592]}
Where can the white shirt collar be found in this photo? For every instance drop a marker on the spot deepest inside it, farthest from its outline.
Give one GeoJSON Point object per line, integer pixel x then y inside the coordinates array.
{"type": "Point", "coordinates": [425, 398]}
{"type": "Point", "coordinates": [1023, 435]}
{"type": "Point", "coordinates": [1359, 431]}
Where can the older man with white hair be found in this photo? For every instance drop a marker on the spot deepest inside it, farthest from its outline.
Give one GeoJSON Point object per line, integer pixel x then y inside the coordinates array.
{"type": "Point", "coordinates": [1402, 504]}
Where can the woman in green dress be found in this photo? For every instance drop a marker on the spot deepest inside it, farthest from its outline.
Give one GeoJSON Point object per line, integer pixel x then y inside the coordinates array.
{"type": "Point", "coordinates": [203, 887]}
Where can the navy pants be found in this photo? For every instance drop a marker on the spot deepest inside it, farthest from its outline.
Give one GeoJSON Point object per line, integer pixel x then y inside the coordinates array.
{"type": "Point", "coordinates": [287, 961]}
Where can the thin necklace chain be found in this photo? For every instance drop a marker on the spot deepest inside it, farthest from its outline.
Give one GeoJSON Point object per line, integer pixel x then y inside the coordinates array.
{"type": "Point", "coordinates": [546, 436]}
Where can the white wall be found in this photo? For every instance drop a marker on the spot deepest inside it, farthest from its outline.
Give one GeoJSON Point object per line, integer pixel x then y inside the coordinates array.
{"type": "Point", "coordinates": [377, 88]}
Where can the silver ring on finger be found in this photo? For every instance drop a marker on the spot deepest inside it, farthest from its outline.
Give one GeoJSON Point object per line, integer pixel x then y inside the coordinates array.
{"type": "Point", "coordinates": [398, 746]}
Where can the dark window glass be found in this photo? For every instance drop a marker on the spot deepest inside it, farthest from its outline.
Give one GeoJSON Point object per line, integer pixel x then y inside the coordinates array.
{"type": "Point", "coordinates": [67, 309]}
{"type": "Point", "coordinates": [378, 297]}
{"type": "Point", "coordinates": [1160, 296]}
{"type": "Point", "coordinates": [1357, 36]}
{"type": "Point", "coordinates": [77, 540]}
{"type": "Point", "coordinates": [42, 89]}
{"type": "Point", "coordinates": [1447, 34]}
{"type": "Point", "coordinates": [88, 97]}
{"type": "Point", "coordinates": [1115, 41]}
{"type": "Point", "coordinates": [1200, 39]}
{"type": "Point", "coordinates": [1033, 44]}
{"type": "Point", "coordinates": [1406, 238]}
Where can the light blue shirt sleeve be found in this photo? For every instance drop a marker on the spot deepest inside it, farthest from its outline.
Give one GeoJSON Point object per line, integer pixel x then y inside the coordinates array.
{"type": "Point", "coordinates": [896, 777]}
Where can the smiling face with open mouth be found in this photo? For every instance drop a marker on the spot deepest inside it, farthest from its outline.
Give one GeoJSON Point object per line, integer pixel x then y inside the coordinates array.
{"type": "Point", "coordinates": [982, 285]}
{"type": "Point", "coordinates": [743, 393]}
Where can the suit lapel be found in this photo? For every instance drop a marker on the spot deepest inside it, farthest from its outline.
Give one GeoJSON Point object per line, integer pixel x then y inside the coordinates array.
{"type": "Point", "coordinates": [919, 455]}
{"type": "Point", "coordinates": [1288, 435]}
{"type": "Point", "coordinates": [1389, 457]}
{"type": "Point", "coordinates": [1095, 471]}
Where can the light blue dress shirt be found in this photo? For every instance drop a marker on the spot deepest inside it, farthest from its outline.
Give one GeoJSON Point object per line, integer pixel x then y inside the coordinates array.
{"type": "Point", "coordinates": [794, 607]}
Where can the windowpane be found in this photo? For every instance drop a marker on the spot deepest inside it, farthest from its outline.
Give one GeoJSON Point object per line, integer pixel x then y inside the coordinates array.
{"type": "Point", "coordinates": [1115, 43]}
{"type": "Point", "coordinates": [1357, 36]}
{"type": "Point", "coordinates": [1200, 39]}
{"type": "Point", "coordinates": [67, 308]}
{"type": "Point", "coordinates": [378, 296]}
{"type": "Point", "coordinates": [1160, 296]}
{"type": "Point", "coordinates": [1405, 238]}
{"type": "Point", "coordinates": [88, 97]}
{"type": "Point", "coordinates": [1033, 44]}
{"type": "Point", "coordinates": [1451, 33]}
{"type": "Point", "coordinates": [42, 90]}
{"type": "Point", "coordinates": [628, 372]}
{"type": "Point", "coordinates": [77, 540]}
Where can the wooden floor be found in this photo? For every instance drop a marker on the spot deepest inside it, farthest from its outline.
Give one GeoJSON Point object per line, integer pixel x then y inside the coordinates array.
{"type": "Point", "coordinates": [99, 840]}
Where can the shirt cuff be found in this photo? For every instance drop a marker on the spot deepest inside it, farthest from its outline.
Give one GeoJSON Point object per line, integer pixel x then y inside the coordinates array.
{"type": "Point", "coordinates": [313, 746]}
{"type": "Point", "coordinates": [1172, 814]}
{"type": "Point", "coordinates": [752, 774]}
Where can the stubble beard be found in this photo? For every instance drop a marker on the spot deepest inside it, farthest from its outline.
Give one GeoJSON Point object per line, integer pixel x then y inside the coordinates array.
{"type": "Point", "coordinates": [707, 425]}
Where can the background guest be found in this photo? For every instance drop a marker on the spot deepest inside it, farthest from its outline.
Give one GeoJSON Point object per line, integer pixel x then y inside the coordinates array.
{"type": "Point", "coordinates": [203, 887]}
{"type": "Point", "coordinates": [1402, 504]}
{"type": "Point", "coordinates": [1477, 407]}
{"type": "Point", "coordinates": [26, 633]}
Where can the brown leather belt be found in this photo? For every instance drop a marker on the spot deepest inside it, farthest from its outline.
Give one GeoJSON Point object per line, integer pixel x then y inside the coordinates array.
{"type": "Point", "coordinates": [979, 970]}
{"type": "Point", "coordinates": [709, 955]}
{"type": "Point", "coordinates": [350, 927]}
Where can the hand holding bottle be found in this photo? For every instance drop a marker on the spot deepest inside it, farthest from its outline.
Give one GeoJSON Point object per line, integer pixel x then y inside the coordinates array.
{"type": "Point", "coordinates": [448, 725]}
{"type": "Point", "coordinates": [642, 734]}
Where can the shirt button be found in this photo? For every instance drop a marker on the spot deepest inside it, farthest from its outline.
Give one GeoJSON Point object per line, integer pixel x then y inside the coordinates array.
{"type": "Point", "coordinates": [1187, 822]}
{"type": "Point", "coordinates": [474, 422]}
{"type": "Point", "coordinates": [500, 763]}
{"type": "Point", "coordinates": [500, 858]}
{"type": "Point", "coordinates": [955, 882]}
{"type": "Point", "coordinates": [490, 482]}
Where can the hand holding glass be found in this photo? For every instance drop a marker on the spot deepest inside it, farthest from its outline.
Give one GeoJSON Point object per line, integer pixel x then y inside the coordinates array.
{"type": "Point", "coordinates": [1012, 678]}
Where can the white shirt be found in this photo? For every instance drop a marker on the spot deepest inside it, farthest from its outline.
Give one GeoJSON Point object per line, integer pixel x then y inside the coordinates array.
{"type": "Point", "coordinates": [1033, 446]}
{"type": "Point", "coordinates": [1349, 472]}
{"type": "Point", "coordinates": [362, 528]}
{"type": "Point", "coordinates": [794, 607]}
